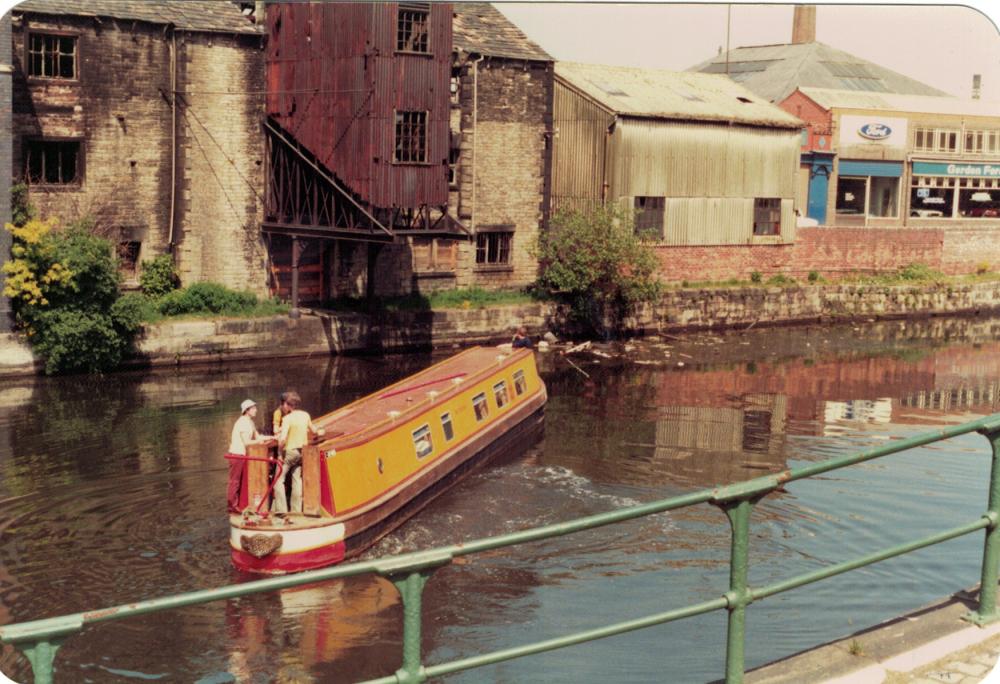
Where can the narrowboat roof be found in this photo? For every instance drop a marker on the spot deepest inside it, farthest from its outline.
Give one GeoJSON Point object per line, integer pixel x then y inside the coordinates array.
{"type": "Point", "coordinates": [917, 104]}
{"type": "Point", "coordinates": [407, 395]}
{"type": "Point", "coordinates": [190, 15]}
{"type": "Point", "coordinates": [480, 28]}
{"type": "Point", "coordinates": [662, 94]}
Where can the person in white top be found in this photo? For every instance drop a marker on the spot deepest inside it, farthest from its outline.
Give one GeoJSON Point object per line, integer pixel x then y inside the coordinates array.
{"type": "Point", "coordinates": [244, 434]}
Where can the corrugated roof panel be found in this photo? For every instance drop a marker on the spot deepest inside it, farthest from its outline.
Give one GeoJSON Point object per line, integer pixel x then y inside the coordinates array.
{"type": "Point", "coordinates": [919, 104]}
{"type": "Point", "coordinates": [657, 93]}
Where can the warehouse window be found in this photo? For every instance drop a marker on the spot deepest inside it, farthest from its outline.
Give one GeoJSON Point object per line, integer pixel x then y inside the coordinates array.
{"type": "Point", "coordinates": [52, 162]}
{"type": "Point", "coordinates": [51, 56]}
{"type": "Point", "coordinates": [411, 27]}
{"type": "Point", "coordinates": [493, 247]}
{"type": "Point", "coordinates": [128, 258]}
{"type": "Point", "coordinates": [767, 216]}
{"type": "Point", "coordinates": [411, 137]}
{"type": "Point", "coordinates": [649, 217]}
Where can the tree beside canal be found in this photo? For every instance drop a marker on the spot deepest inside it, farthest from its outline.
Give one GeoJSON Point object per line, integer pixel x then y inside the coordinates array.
{"type": "Point", "coordinates": [594, 260]}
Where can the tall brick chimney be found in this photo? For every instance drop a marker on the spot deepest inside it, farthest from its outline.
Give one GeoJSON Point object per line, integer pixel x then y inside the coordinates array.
{"type": "Point", "coordinates": [804, 24]}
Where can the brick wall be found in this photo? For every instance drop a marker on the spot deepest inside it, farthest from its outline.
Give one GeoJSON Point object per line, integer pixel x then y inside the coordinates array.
{"type": "Point", "coordinates": [221, 160]}
{"type": "Point", "coordinates": [6, 132]}
{"type": "Point", "coordinates": [503, 145]}
{"type": "Point", "coordinates": [834, 252]}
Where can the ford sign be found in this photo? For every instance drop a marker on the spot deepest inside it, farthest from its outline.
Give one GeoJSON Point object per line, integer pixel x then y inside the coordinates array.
{"type": "Point", "coordinates": [875, 131]}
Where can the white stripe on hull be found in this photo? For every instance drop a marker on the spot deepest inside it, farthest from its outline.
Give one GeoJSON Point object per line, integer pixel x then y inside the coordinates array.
{"type": "Point", "coordinates": [293, 540]}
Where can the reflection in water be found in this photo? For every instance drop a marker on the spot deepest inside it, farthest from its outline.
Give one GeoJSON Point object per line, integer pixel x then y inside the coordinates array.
{"type": "Point", "coordinates": [112, 491]}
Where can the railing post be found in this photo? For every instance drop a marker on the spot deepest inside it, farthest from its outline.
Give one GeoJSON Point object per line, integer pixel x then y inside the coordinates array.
{"type": "Point", "coordinates": [42, 656]}
{"type": "Point", "coordinates": [409, 575]}
{"type": "Point", "coordinates": [987, 611]}
{"type": "Point", "coordinates": [738, 596]}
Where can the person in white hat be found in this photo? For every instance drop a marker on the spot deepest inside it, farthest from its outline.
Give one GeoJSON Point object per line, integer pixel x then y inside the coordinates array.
{"type": "Point", "coordinates": [244, 433]}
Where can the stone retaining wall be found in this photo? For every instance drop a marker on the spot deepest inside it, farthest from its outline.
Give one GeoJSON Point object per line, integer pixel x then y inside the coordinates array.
{"type": "Point", "coordinates": [195, 341]}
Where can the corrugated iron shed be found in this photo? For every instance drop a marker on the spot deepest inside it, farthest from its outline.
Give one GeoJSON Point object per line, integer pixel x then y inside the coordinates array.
{"type": "Point", "coordinates": [775, 71]}
{"type": "Point", "coordinates": [661, 94]}
{"type": "Point", "coordinates": [480, 28]}
{"type": "Point", "coordinates": [191, 15]}
{"type": "Point", "coordinates": [918, 104]}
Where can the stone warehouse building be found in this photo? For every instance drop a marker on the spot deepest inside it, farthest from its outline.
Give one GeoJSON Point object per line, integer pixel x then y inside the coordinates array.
{"type": "Point", "coordinates": [146, 116]}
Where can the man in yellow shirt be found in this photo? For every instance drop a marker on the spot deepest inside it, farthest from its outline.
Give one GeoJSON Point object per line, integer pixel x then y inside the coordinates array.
{"type": "Point", "coordinates": [280, 413]}
{"type": "Point", "coordinates": [296, 428]}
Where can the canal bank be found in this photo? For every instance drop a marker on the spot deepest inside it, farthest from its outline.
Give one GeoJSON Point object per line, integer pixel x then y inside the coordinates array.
{"type": "Point", "coordinates": [682, 310]}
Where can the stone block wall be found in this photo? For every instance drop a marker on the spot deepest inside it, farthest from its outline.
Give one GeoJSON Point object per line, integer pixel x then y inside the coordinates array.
{"type": "Point", "coordinates": [221, 160]}
{"type": "Point", "coordinates": [118, 108]}
{"type": "Point", "coordinates": [505, 121]}
{"type": "Point", "coordinates": [6, 161]}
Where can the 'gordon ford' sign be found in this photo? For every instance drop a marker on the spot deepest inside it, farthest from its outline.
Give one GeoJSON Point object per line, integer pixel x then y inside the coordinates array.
{"type": "Point", "coordinates": [953, 169]}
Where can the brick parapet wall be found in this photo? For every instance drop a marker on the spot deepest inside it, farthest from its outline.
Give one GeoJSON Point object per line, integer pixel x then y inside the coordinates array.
{"type": "Point", "coordinates": [835, 252]}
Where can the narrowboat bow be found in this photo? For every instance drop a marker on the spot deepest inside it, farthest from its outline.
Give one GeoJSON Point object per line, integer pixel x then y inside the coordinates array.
{"type": "Point", "coordinates": [384, 457]}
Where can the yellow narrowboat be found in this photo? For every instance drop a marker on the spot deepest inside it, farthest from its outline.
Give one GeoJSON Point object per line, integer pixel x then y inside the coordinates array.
{"type": "Point", "coordinates": [385, 456]}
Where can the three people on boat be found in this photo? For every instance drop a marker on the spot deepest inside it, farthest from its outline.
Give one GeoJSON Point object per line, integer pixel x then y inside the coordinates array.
{"type": "Point", "coordinates": [296, 429]}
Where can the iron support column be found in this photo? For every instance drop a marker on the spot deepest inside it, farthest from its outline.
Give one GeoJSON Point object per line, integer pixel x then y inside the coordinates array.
{"type": "Point", "coordinates": [738, 595]}
{"type": "Point", "coordinates": [987, 611]}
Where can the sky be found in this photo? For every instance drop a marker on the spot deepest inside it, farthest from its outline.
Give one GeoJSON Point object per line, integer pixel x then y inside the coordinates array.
{"type": "Point", "coordinates": [942, 46]}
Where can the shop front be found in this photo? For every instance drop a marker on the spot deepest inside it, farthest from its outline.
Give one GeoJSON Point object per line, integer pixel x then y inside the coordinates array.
{"type": "Point", "coordinates": [867, 190]}
{"type": "Point", "coordinates": [955, 190]}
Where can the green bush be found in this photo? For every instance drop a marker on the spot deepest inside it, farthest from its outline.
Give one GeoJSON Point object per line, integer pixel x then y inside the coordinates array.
{"type": "Point", "coordinates": [129, 312]}
{"type": "Point", "coordinates": [919, 272]}
{"type": "Point", "coordinates": [159, 276]}
{"type": "Point", "coordinates": [813, 276]}
{"type": "Point", "coordinates": [206, 298]}
{"type": "Point", "coordinates": [595, 261]}
{"type": "Point", "coordinates": [756, 277]}
{"type": "Point", "coordinates": [75, 341]}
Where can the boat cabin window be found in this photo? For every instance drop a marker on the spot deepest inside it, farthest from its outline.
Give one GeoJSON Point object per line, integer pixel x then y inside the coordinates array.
{"type": "Point", "coordinates": [500, 392]}
{"type": "Point", "coordinates": [520, 384]}
{"type": "Point", "coordinates": [480, 406]}
{"type": "Point", "coordinates": [422, 441]}
{"type": "Point", "coordinates": [449, 431]}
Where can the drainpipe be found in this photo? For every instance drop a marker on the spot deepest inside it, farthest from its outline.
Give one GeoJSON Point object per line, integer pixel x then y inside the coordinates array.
{"type": "Point", "coordinates": [475, 132]}
{"type": "Point", "coordinates": [173, 138]}
{"type": "Point", "coordinates": [605, 184]}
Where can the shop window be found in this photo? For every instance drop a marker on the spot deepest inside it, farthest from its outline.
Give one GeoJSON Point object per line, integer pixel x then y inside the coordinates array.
{"type": "Point", "coordinates": [51, 162]}
{"type": "Point", "coordinates": [500, 394]}
{"type": "Point", "coordinates": [884, 199]}
{"type": "Point", "coordinates": [931, 202]}
{"type": "Point", "coordinates": [411, 137]}
{"type": "Point", "coordinates": [767, 216]}
{"type": "Point", "coordinates": [493, 247]}
{"type": "Point", "coordinates": [649, 212]}
{"type": "Point", "coordinates": [851, 195]}
{"type": "Point", "coordinates": [51, 56]}
{"type": "Point", "coordinates": [480, 407]}
{"type": "Point", "coordinates": [411, 27]}
{"type": "Point", "coordinates": [449, 429]}
{"type": "Point", "coordinates": [422, 441]}
{"type": "Point", "coordinates": [979, 203]}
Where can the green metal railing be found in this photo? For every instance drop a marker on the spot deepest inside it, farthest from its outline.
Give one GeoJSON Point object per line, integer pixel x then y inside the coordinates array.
{"type": "Point", "coordinates": [40, 639]}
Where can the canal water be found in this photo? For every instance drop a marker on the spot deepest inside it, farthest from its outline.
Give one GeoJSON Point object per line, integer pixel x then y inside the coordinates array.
{"type": "Point", "coordinates": [112, 490]}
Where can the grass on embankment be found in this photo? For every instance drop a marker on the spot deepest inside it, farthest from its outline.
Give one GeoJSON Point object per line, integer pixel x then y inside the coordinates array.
{"type": "Point", "coordinates": [462, 298]}
{"type": "Point", "coordinates": [913, 274]}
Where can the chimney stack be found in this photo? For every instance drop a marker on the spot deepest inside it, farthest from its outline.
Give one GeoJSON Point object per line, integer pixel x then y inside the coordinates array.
{"type": "Point", "coordinates": [804, 24]}
{"type": "Point", "coordinates": [977, 83]}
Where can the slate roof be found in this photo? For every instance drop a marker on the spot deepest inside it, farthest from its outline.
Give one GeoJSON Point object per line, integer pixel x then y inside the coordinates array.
{"type": "Point", "coordinates": [918, 104]}
{"type": "Point", "coordinates": [192, 15]}
{"type": "Point", "coordinates": [480, 28]}
{"type": "Point", "coordinates": [775, 71]}
{"type": "Point", "coordinates": [682, 95]}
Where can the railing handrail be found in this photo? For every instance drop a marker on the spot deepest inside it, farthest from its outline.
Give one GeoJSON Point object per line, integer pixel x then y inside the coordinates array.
{"type": "Point", "coordinates": [410, 571]}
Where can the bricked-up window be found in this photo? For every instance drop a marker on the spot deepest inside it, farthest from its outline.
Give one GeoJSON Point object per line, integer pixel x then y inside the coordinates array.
{"type": "Point", "coordinates": [493, 247]}
{"type": "Point", "coordinates": [411, 137]}
{"type": "Point", "coordinates": [51, 56]}
{"type": "Point", "coordinates": [767, 216]}
{"type": "Point", "coordinates": [52, 162]}
{"type": "Point", "coordinates": [411, 27]}
{"type": "Point", "coordinates": [649, 217]}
